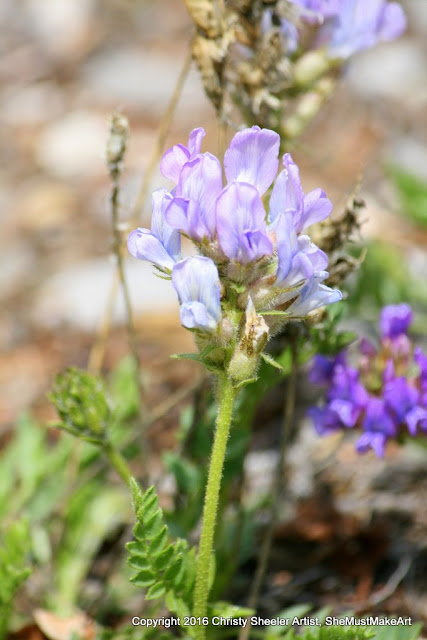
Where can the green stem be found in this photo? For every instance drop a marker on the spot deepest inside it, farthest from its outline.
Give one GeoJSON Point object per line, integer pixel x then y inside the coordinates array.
{"type": "Point", "coordinates": [118, 462]}
{"type": "Point", "coordinates": [226, 396]}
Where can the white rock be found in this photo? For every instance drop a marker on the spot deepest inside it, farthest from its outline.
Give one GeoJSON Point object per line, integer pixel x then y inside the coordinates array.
{"type": "Point", "coordinates": [32, 105]}
{"type": "Point", "coordinates": [260, 469]}
{"type": "Point", "coordinates": [397, 70]}
{"type": "Point", "coordinates": [408, 154]}
{"type": "Point", "coordinates": [136, 78]}
{"type": "Point", "coordinates": [74, 146]}
{"type": "Point", "coordinates": [60, 24]}
{"type": "Point", "coordinates": [78, 295]}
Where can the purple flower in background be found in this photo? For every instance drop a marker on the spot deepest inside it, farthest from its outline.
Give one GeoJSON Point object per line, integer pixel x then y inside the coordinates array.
{"type": "Point", "coordinates": [378, 425]}
{"type": "Point", "coordinates": [162, 244]}
{"type": "Point", "coordinates": [318, 10]}
{"type": "Point", "coordinates": [360, 24]}
{"type": "Point", "coordinates": [197, 284]}
{"type": "Point", "coordinates": [395, 320]}
{"type": "Point", "coordinates": [385, 395]}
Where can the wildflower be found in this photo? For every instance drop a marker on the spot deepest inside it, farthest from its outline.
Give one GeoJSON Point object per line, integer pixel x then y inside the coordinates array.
{"type": "Point", "coordinates": [385, 395]}
{"type": "Point", "coordinates": [162, 244]}
{"type": "Point", "coordinates": [196, 282]}
{"type": "Point", "coordinates": [249, 264]}
{"type": "Point", "coordinates": [360, 24]}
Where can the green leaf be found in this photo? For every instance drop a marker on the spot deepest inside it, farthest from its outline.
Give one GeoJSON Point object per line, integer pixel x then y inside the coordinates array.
{"type": "Point", "coordinates": [156, 591]}
{"type": "Point", "coordinates": [185, 356]}
{"type": "Point", "coordinates": [144, 578]}
{"type": "Point", "coordinates": [271, 361]}
{"type": "Point", "coordinates": [136, 548]}
{"type": "Point", "coordinates": [173, 570]}
{"type": "Point", "coordinates": [137, 497]}
{"type": "Point", "coordinates": [164, 558]}
{"type": "Point", "coordinates": [397, 633]}
{"type": "Point", "coordinates": [244, 383]}
{"type": "Point", "coordinates": [158, 542]}
{"type": "Point", "coordinates": [153, 526]}
{"type": "Point", "coordinates": [139, 562]}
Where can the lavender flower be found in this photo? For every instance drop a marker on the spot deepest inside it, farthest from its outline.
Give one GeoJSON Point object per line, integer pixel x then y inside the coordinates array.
{"type": "Point", "coordinates": [385, 395]}
{"type": "Point", "coordinates": [175, 158]}
{"type": "Point", "coordinates": [162, 244]}
{"type": "Point", "coordinates": [395, 320]}
{"type": "Point", "coordinates": [265, 259]}
{"type": "Point", "coordinates": [196, 282]}
{"type": "Point", "coordinates": [360, 24]}
{"type": "Point", "coordinates": [348, 26]}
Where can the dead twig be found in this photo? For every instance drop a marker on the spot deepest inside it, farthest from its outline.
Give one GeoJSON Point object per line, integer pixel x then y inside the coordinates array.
{"type": "Point", "coordinates": [161, 137]}
{"type": "Point", "coordinates": [288, 416]}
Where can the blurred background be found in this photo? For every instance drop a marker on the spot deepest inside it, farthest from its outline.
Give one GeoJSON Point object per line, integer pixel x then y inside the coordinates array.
{"type": "Point", "coordinates": [65, 67]}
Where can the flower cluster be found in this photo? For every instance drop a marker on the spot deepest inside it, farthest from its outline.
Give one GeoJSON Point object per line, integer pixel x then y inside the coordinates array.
{"type": "Point", "coordinates": [385, 395]}
{"type": "Point", "coordinates": [348, 26]}
{"type": "Point", "coordinates": [255, 270]}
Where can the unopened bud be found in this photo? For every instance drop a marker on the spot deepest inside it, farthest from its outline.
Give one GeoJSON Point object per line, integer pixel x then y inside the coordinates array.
{"type": "Point", "coordinates": [245, 359]}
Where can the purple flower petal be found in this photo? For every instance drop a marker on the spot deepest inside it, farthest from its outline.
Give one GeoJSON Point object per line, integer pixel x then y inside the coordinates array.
{"type": "Point", "coordinates": [374, 441]}
{"type": "Point", "coordinates": [317, 207]}
{"type": "Point", "coordinates": [287, 246]}
{"type": "Point", "coordinates": [176, 157]}
{"type": "Point", "coordinates": [287, 196]}
{"type": "Point", "coordinates": [252, 157]}
{"type": "Point", "coordinates": [347, 412]}
{"type": "Point", "coordinates": [142, 244]}
{"type": "Point", "coordinates": [395, 320]}
{"type": "Point", "coordinates": [360, 25]}
{"type": "Point", "coordinates": [172, 162]}
{"type": "Point", "coordinates": [197, 284]}
{"type": "Point", "coordinates": [325, 421]}
{"type": "Point", "coordinates": [240, 219]}
{"type": "Point", "coordinates": [393, 22]}
{"type": "Point", "coordinates": [195, 140]}
{"type": "Point", "coordinates": [322, 368]}
{"type": "Point", "coordinates": [313, 296]}
{"type": "Point", "coordinates": [416, 418]}
{"type": "Point", "coordinates": [400, 397]}
{"type": "Point", "coordinates": [200, 182]}
{"type": "Point", "coordinates": [168, 236]}
{"type": "Point", "coordinates": [378, 419]}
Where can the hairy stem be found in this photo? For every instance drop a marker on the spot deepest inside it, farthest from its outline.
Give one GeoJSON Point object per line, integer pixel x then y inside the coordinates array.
{"type": "Point", "coordinates": [118, 462]}
{"type": "Point", "coordinates": [226, 396]}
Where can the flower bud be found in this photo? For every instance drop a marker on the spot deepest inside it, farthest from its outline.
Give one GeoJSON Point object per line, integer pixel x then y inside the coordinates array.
{"type": "Point", "coordinates": [245, 359]}
{"type": "Point", "coordinates": [80, 401]}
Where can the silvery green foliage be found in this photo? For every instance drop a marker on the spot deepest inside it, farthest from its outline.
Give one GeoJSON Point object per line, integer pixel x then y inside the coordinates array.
{"type": "Point", "coordinates": [165, 567]}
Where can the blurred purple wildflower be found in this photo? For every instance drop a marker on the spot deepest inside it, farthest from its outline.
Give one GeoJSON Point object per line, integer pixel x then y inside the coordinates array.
{"type": "Point", "coordinates": [162, 244]}
{"type": "Point", "coordinates": [385, 395]}
{"type": "Point", "coordinates": [361, 24]}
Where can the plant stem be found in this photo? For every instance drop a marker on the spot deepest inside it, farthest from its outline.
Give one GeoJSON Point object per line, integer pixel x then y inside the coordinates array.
{"type": "Point", "coordinates": [118, 462]}
{"type": "Point", "coordinates": [226, 396]}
